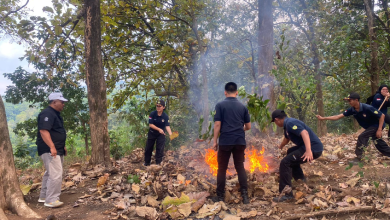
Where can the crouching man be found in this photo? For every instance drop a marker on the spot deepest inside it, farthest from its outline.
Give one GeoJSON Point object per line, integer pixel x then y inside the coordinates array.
{"type": "Point", "coordinates": [308, 147]}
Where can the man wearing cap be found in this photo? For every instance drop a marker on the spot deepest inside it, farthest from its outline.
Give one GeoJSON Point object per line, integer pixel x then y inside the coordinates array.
{"type": "Point", "coordinates": [231, 120]}
{"type": "Point", "coordinates": [370, 119]}
{"type": "Point", "coordinates": [308, 147]}
{"type": "Point", "coordinates": [158, 124]}
{"type": "Point", "coordinates": [51, 148]}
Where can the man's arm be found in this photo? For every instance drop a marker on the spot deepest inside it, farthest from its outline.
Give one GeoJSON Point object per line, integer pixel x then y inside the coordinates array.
{"type": "Point", "coordinates": [333, 118]}
{"type": "Point", "coordinates": [169, 130]}
{"type": "Point", "coordinates": [217, 129]}
{"type": "Point", "coordinates": [284, 143]}
{"type": "Point", "coordinates": [381, 121]}
{"type": "Point", "coordinates": [247, 126]}
{"type": "Point", "coordinates": [47, 139]}
{"type": "Point", "coordinates": [154, 127]}
{"type": "Point", "coordinates": [306, 139]}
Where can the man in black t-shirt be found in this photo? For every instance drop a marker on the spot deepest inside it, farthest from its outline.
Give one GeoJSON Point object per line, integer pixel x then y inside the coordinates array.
{"type": "Point", "coordinates": [308, 147]}
{"type": "Point", "coordinates": [51, 148]}
{"type": "Point", "coordinates": [370, 119]}
{"type": "Point", "coordinates": [231, 121]}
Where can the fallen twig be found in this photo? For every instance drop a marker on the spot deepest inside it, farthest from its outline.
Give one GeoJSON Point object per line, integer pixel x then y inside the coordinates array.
{"type": "Point", "coordinates": [334, 212]}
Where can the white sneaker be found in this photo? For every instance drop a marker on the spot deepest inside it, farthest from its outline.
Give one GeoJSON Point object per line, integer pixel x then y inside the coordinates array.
{"type": "Point", "coordinates": [54, 204]}
{"type": "Point", "coordinates": [41, 200]}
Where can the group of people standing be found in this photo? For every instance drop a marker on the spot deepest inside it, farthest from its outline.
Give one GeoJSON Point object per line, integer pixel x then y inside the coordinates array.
{"type": "Point", "coordinates": [231, 120]}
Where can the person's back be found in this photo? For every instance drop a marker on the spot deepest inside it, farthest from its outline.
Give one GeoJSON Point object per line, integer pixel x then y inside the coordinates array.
{"type": "Point", "coordinates": [233, 115]}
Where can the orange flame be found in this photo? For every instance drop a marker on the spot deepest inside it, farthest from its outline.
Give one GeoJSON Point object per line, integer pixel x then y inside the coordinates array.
{"type": "Point", "coordinates": [256, 160]}
{"type": "Point", "coordinates": [211, 160]}
{"type": "Point", "coordinates": [254, 157]}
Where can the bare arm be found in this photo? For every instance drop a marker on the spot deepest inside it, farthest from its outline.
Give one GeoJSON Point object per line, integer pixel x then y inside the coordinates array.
{"type": "Point", "coordinates": [333, 118]}
{"type": "Point", "coordinates": [47, 139]}
{"type": "Point", "coordinates": [284, 143]}
{"type": "Point", "coordinates": [247, 126]}
{"type": "Point", "coordinates": [217, 129]}
{"type": "Point", "coordinates": [169, 130]}
{"type": "Point", "coordinates": [154, 127]}
{"type": "Point", "coordinates": [381, 121]}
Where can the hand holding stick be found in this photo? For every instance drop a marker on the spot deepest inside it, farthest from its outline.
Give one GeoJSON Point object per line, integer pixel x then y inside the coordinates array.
{"type": "Point", "coordinates": [387, 97]}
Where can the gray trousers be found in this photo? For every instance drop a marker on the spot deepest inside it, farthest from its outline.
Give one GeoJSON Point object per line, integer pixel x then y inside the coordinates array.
{"type": "Point", "coordinates": [52, 179]}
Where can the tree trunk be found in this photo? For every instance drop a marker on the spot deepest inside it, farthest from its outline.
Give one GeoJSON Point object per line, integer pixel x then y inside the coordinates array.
{"type": "Point", "coordinates": [203, 72]}
{"type": "Point", "coordinates": [11, 196]}
{"type": "Point", "coordinates": [265, 44]}
{"type": "Point", "coordinates": [96, 85]}
{"type": "Point", "coordinates": [321, 125]}
{"type": "Point", "coordinates": [374, 68]}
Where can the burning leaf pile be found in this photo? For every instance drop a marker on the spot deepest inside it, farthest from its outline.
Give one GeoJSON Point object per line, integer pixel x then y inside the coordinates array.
{"type": "Point", "coordinates": [254, 161]}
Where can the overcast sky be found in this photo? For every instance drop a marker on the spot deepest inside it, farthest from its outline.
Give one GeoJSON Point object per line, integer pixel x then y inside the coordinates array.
{"type": "Point", "coordinates": [10, 52]}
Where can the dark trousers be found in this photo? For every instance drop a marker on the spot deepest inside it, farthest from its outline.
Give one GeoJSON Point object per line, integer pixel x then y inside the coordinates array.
{"type": "Point", "coordinates": [290, 166]}
{"type": "Point", "coordinates": [224, 153]}
{"type": "Point", "coordinates": [387, 121]}
{"type": "Point", "coordinates": [159, 139]}
{"type": "Point", "coordinates": [363, 139]}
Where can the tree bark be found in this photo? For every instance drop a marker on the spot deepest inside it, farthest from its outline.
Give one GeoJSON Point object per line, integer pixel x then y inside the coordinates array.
{"type": "Point", "coordinates": [374, 68]}
{"type": "Point", "coordinates": [11, 196]}
{"type": "Point", "coordinates": [321, 125]}
{"type": "Point", "coordinates": [96, 85]}
{"type": "Point", "coordinates": [265, 80]}
{"type": "Point", "coordinates": [86, 138]}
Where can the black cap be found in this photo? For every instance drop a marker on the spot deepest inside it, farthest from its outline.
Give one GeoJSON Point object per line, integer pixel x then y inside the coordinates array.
{"type": "Point", "coordinates": [353, 95]}
{"type": "Point", "coordinates": [278, 113]}
{"type": "Point", "coordinates": [160, 102]}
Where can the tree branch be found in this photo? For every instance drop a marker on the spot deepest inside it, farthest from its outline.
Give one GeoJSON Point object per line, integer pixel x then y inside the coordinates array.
{"type": "Point", "coordinates": [15, 11]}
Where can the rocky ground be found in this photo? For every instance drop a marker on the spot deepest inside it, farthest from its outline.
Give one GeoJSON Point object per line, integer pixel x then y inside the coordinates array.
{"type": "Point", "coordinates": [182, 186]}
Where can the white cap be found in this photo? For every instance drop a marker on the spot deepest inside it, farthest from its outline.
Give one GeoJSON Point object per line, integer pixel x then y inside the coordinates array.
{"type": "Point", "coordinates": [57, 96]}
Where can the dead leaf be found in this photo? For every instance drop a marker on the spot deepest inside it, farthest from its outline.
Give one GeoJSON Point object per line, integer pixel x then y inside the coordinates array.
{"type": "Point", "coordinates": [152, 201]}
{"type": "Point", "coordinates": [299, 195]}
{"type": "Point", "coordinates": [78, 177]}
{"type": "Point", "coordinates": [103, 179]}
{"type": "Point", "coordinates": [199, 199]}
{"type": "Point", "coordinates": [343, 204]}
{"type": "Point", "coordinates": [69, 184]}
{"type": "Point", "coordinates": [208, 210]}
{"type": "Point", "coordinates": [173, 211]}
{"type": "Point", "coordinates": [181, 178]}
{"type": "Point", "coordinates": [154, 168]}
{"type": "Point", "coordinates": [175, 201]}
{"type": "Point", "coordinates": [250, 214]}
{"type": "Point", "coordinates": [319, 173]}
{"type": "Point", "coordinates": [231, 217]}
{"type": "Point", "coordinates": [135, 188]}
{"type": "Point", "coordinates": [146, 212]}
{"type": "Point", "coordinates": [174, 135]}
{"type": "Point", "coordinates": [350, 199]}
{"type": "Point", "coordinates": [25, 189]}
{"type": "Point", "coordinates": [343, 185]}
{"type": "Point", "coordinates": [185, 209]}
{"type": "Point", "coordinates": [352, 182]}
{"type": "Point", "coordinates": [121, 205]}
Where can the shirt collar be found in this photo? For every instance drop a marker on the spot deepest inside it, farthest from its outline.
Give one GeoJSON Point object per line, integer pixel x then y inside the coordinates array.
{"type": "Point", "coordinates": [231, 98]}
{"type": "Point", "coordinates": [57, 112]}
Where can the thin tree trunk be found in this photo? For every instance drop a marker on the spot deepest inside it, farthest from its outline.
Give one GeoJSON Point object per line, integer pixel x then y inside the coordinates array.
{"type": "Point", "coordinates": [11, 196]}
{"type": "Point", "coordinates": [86, 138]}
{"type": "Point", "coordinates": [265, 80]}
{"type": "Point", "coordinates": [374, 68]}
{"type": "Point", "coordinates": [321, 125]}
{"type": "Point", "coordinates": [96, 85]}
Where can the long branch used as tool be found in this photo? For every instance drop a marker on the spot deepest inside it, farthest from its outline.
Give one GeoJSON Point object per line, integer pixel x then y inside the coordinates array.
{"type": "Point", "coordinates": [387, 97]}
{"type": "Point", "coordinates": [334, 212]}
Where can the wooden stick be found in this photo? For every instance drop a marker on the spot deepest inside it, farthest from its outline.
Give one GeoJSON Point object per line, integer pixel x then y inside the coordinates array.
{"type": "Point", "coordinates": [387, 97]}
{"type": "Point", "coordinates": [334, 212]}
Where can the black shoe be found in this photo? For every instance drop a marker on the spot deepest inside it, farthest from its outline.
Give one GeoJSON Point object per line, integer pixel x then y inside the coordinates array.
{"type": "Point", "coordinates": [244, 195]}
{"type": "Point", "coordinates": [355, 161]}
{"type": "Point", "coordinates": [146, 164]}
{"type": "Point", "coordinates": [217, 199]}
{"type": "Point", "coordinates": [283, 198]}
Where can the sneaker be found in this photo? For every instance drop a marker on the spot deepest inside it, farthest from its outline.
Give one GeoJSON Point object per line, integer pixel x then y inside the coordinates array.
{"type": "Point", "coordinates": [54, 204]}
{"type": "Point", "coordinates": [146, 164]}
{"type": "Point", "coordinates": [283, 198]}
{"type": "Point", "coordinates": [41, 200]}
{"type": "Point", "coordinates": [217, 198]}
{"type": "Point", "coordinates": [355, 161]}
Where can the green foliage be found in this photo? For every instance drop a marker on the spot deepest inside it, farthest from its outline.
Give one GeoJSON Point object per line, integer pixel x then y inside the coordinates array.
{"type": "Point", "coordinates": [257, 108]}
{"type": "Point", "coordinates": [133, 179]}
{"type": "Point", "coordinates": [116, 150]}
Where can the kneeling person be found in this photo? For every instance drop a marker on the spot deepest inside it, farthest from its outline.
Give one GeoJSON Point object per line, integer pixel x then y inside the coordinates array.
{"type": "Point", "coordinates": [308, 147]}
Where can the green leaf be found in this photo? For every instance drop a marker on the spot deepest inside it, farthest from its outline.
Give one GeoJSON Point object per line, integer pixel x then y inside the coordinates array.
{"type": "Point", "coordinates": [58, 30]}
{"type": "Point", "coordinates": [48, 9]}
{"type": "Point", "coordinates": [175, 201]}
{"type": "Point", "coordinates": [25, 189]}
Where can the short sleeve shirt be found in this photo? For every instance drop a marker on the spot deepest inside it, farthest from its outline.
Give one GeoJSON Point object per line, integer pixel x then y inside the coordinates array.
{"type": "Point", "coordinates": [368, 116]}
{"type": "Point", "coordinates": [233, 115]}
{"type": "Point", "coordinates": [51, 120]}
{"type": "Point", "coordinates": [377, 102]}
{"type": "Point", "coordinates": [159, 121]}
{"type": "Point", "coordinates": [292, 131]}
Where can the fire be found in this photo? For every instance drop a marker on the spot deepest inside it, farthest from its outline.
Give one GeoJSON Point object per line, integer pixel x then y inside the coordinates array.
{"type": "Point", "coordinates": [211, 160]}
{"type": "Point", "coordinates": [256, 160]}
{"type": "Point", "coordinates": [254, 157]}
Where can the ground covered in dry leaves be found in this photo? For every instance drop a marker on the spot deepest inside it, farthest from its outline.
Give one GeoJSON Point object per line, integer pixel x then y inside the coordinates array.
{"type": "Point", "coordinates": [182, 186]}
